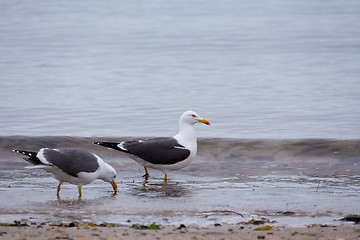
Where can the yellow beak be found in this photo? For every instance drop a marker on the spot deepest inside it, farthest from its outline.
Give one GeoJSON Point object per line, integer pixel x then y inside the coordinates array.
{"type": "Point", "coordinates": [114, 185]}
{"type": "Point", "coordinates": [204, 121]}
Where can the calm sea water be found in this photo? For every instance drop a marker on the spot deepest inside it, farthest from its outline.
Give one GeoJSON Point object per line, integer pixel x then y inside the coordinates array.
{"type": "Point", "coordinates": [255, 69]}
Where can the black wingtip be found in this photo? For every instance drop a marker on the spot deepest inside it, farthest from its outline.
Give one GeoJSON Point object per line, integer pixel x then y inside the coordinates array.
{"type": "Point", "coordinates": [105, 144]}
{"type": "Point", "coordinates": [26, 153]}
{"type": "Point", "coordinates": [30, 156]}
{"type": "Point", "coordinates": [112, 145]}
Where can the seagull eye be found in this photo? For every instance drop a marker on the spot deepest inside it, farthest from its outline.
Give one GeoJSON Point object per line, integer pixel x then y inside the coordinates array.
{"type": "Point", "coordinates": [193, 115]}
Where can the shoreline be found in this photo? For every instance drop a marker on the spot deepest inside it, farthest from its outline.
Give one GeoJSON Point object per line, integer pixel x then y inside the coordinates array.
{"type": "Point", "coordinates": [224, 231]}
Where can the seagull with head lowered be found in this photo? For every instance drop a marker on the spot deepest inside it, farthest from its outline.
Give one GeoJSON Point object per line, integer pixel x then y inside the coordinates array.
{"type": "Point", "coordinates": [71, 165]}
{"type": "Point", "coordinates": [164, 153]}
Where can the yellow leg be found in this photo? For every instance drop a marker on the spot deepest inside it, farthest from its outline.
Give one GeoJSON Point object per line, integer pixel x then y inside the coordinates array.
{"type": "Point", "coordinates": [79, 190]}
{"type": "Point", "coordinates": [58, 190]}
{"type": "Point", "coordinates": [146, 172]}
{"type": "Point", "coordinates": [165, 178]}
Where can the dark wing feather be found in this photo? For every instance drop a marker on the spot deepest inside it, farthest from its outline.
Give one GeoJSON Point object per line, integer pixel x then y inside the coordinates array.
{"type": "Point", "coordinates": [164, 151]}
{"type": "Point", "coordinates": [71, 161]}
{"type": "Point", "coordinates": [31, 156]}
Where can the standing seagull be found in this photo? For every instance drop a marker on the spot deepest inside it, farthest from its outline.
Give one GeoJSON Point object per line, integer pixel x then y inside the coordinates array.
{"type": "Point", "coordinates": [164, 153]}
{"type": "Point", "coordinates": [74, 166]}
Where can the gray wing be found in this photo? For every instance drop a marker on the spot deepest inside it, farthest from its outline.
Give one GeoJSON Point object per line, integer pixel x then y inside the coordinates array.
{"type": "Point", "coordinates": [71, 161]}
{"type": "Point", "coordinates": [164, 151]}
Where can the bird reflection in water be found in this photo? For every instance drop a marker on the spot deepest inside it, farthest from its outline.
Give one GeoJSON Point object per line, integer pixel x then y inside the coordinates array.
{"type": "Point", "coordinates": [161, 189]}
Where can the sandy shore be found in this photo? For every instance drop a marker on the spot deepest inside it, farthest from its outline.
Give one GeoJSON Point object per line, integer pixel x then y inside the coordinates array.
{"type": "Point", "coordinates": [342, 232]}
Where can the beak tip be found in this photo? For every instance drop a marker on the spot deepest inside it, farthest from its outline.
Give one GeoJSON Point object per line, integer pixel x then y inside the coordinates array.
{"type": "Point", "coordinates": [114, 185]}
{"type": "Point", "coordinates": [204, 121]}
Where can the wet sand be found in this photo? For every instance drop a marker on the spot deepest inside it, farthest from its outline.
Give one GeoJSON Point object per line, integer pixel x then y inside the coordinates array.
{"type": "Point", "coordinates": [189, 197]}
{"type": "Point", "coordinates": [342, 232]}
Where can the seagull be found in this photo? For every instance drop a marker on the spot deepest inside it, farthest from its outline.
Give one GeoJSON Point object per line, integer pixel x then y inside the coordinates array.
{"type": "Point", "coordinates": [163, 153]}
{"type": "Point", "coordinates": [71, 165]}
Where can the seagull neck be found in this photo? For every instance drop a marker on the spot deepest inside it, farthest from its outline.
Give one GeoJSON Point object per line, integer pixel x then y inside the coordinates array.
{"type": "Point", "coordinates": [187, 132]}
{"type": "Point", "coordinates": [104, 171]}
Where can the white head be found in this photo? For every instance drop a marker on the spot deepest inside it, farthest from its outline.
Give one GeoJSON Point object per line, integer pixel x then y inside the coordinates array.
{"type": "Point", "coordinates": [108, 174]}
{"type": "Point", "coordinates": [192, 117]}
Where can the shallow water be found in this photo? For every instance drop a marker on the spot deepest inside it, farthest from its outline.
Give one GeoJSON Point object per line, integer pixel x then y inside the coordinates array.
{"type": "Point", "coordinates": [292, 182]}
{"type": "Point", "coordinates": [186, 198]}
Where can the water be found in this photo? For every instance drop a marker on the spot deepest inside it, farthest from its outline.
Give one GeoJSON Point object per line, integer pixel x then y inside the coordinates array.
{"type": "Point", "coordinates": [261, 72]}
{"type": "Point", "coordinates": [255, 69]}
{"type": "Point", "coordinates": [232, 181]}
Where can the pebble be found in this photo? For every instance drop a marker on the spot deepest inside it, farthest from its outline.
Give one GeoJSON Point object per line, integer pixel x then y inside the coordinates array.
{"type": "Point", "coordinates": [72, 224]}
{"type": "Point", "coordinates": [181, 226]}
